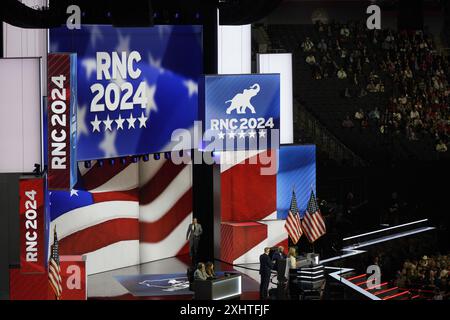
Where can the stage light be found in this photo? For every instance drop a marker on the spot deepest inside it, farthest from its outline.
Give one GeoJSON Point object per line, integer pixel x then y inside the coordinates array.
{"type": "Point", "coordinates": [134, 159]}
{"type": "Point", "coordinates": [145, 157]}
{"type": "Point", "coordinates": [100, 163]}
{"type": "Point", "coordinates": [167, 155]}
{"type": "Point", "coordinates": [87, 164]}
{"type": "Point", "coordinates": [156, 156]}
{"type": "Point", "coordinates": [123, 160]}
{"type": "Point", "coordinates": [111, 161]}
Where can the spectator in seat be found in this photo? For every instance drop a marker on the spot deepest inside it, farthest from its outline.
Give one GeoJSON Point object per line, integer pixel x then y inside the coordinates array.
{"type": "Point", "coordinates": [311, 59]}
{"type": "Point", "coordinates": [342, 74]}
{"type": "Point", "coordinates": [209, 269]}
{"type": "Point", "coordinates": [359, 115]}
{"type": "Point", "coordinates": [322, 46]}
{"type": "Point", "coordinates": [348, 123]}
{"type": "Point", "coordinates": [374, 114]}
{"type": "Point", "coordinates": [441, 147]}
{"type": "Point", "coordinates": [200, 273]}
{"type": "Point", "coordinates": [307, 45]}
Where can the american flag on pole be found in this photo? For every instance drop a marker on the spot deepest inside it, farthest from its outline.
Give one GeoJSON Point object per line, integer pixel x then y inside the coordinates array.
{"type": "Point", "coordinates": [313, 224]}
{"type": "Point", "coordinates": [293, 225]}
{"type": "Point", "coordinates": [54, 271]}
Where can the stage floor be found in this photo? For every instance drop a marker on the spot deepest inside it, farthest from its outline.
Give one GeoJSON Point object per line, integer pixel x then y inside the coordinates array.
{"type": "Point", "coordinates": [163, 279]}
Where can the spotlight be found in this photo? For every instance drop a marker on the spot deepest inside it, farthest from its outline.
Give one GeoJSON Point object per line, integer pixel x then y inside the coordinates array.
{"type": "Point", "coordinates": [123, 160]}
{"type": "Point", "coordinates": [87, 164]}
{"type": "Point", "coordinates": [156, 156]}
{"type": "Point", "coordinates": [100, 163]}
{"type": "Point", "coordinates": [112, 161]}
{"type": "Point", "coordinates": [167, 155]}
{"type": "Point", "coordinates": [134, 159]}
{"type": "Point", "coordinates": [145, 157]}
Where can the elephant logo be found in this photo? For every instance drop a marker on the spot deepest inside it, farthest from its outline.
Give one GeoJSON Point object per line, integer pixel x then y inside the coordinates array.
{"type": "Point", "coordinates": [241, 101]}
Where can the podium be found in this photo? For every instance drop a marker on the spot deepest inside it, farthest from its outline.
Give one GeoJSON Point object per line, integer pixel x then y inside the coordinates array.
{"type": "Point", "coordinates": [223, 288]}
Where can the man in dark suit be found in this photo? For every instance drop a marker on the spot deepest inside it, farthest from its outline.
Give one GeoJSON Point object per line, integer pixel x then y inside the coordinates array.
{"type": "Point", "coordinates": [265, 269]}
{"type": "Point", "coordinates": [278, 255]}
{"type": "Point", "coordinates": [193, 234]}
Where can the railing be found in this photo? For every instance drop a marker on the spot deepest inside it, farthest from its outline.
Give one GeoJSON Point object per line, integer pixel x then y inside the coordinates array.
{"type": "Point", "coordinates": [324, 139]}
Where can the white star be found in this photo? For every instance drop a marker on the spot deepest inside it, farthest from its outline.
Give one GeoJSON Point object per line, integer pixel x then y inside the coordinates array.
{"type": "Point", "coordinates": [73, 192]}
{"type": "Point", "coordinates": [251, 133]}
{"type": "Point", "coordinates": [156, 63]}
{"type": "Point", "coordinates": [150, 95]}
{"type": "Point", "coordinates": [108, 123]}
{"type": "Point", "coordinates": [221, 135]}
{"type": "Point", "coordinates": [241, 134]}
{"type": "Point", "coordinates": [119, 122]}
{"type": "Point", "coordinates": [107, 145]}
{"type": "Point", "coordinates": [95, 34]}
{"type": "Point", "coordinates": [262, 133]}
{"type": "Point", "coordinates": [124, 43]}
{"type": "Point", "coordinates": [164, 30]}
{"type": "Point", "coordinates": [81, 121]}
{"type": "Point", "coordinates": [96, 124]}
{"type": "Point", "coordinates": [90, 65]}
{"type": "Point", "coordinates": [54, 47]}
{"type": "Point", "coordinates": [131, 120]}
{"type": "Point", "coordinates": [231, 134]}
{"type": "Point", "coordinates": [142, 119]}
{"type": "Point", "coordinates": [191, 86]}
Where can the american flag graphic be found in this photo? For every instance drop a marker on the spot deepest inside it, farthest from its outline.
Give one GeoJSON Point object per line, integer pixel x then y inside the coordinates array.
{"type": "Point", "coordinates": [313, 224]}
{"type": "Point", "coordinates": [293, 224]}
{"type": "Point", "coordinates": [54, 270]}
{"type": "Point", "coordinates": [124, 214]}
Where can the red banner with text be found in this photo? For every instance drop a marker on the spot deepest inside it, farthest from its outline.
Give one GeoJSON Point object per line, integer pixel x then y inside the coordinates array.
{"type": "Point", "coordinates": [61, 133]}
{"type": "Point", "coordinates": [32, 226]}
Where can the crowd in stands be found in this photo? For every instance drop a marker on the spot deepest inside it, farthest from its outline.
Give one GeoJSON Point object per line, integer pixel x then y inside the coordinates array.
{"type": "Point", "coordinates": [427, 274]}
{"type": "Point", "coordinates": [403, 65]}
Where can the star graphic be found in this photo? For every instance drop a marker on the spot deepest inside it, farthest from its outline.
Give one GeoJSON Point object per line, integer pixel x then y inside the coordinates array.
{"type": "Point", "coordinates": [95, 34]}
{"type": "Point", "coordinates": [90, 65]}
{"type": "Point", "coordinates": [81, 121]}
{"type": "Point", "coordinates": [131, 120]}
{"type": "Point", "coordinates": [221, 135]}
{"type": "Point", "coordinates": [108, 123]}
{"type": "Point", "coordinates": [108, 144]}
{"type": "Point", "coordinates": [124, 43]}
{"type": "Point", "coordinates": [241, 134]}
{"type": "Point", "coordinates": [96, 124]}
{"type": "Point", "coordinates": [142, 119]}
{"type": "Point", "coordinates": [262, 133]}
{"type": "Point", "coordinates": [191, 86]}
{"type": "Point", "coordinates": [150, 95]}
{"type": "Point", "coordinates": [119, 122]}
{"type": "Point", "coordinates": [156, 63]}
{"type": "Point", "coordinates": [231, 134]}
{"type": "Point", "coordinates": [252, 133]}
{"type": "Point", "coordinates": [73, 192]}
{"type": "Point", "coordinates": [164, 30]}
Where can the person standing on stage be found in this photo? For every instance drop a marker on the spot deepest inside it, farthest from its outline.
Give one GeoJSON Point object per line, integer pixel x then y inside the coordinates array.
{"type": "Point", "coordinates": [193, 234]}
{"type": "Point", "coordinates": [265, 269]}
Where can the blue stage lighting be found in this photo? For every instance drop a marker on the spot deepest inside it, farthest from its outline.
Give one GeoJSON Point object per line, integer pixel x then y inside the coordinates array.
{"type": "Point", "coordinates": [87, 164]}
{"type": "Point", "coordinates": [145, 157]}
{"type": "Point", "coordinates": [156, 156]}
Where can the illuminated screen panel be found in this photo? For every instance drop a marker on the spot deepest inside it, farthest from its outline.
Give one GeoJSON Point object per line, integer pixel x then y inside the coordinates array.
{"type": "Point", "coordinates": [281, 63]}
{"type": "Point", "coordinates": [135, 86]}
{"type": "Point", "coordinates": [20, 110]}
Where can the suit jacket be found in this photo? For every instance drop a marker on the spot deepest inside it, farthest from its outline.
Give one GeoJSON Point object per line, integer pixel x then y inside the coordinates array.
{"type": "Point", "coordinates": [197, 232]}
{"type": "Point", "coordinates": [277, 256]}
{"type": "Point", "coordinates": [199, 275]}
{"type": "Point", "coordinates": [265, 264]}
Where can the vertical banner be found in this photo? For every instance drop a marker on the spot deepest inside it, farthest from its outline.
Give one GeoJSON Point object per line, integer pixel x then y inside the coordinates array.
{"type": "Point", "coordinates": [61, 132]}
{"type": "Point", "coordinates": [73, 275]}
{"type": "Point", "coordinates": [32, 225]}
